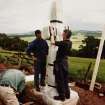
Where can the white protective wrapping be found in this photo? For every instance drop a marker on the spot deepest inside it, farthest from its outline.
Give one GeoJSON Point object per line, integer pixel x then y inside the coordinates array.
{"type": "Point", "coordinates": [50, 92]}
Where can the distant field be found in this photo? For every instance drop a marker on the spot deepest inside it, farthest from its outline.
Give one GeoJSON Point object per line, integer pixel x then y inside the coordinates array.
{"type": "Point", "coordinates": [76, 42]}
{"type": "Point", "coordinates": [78, 67]}
{"type": "Point", "coordinates": [29, 39]}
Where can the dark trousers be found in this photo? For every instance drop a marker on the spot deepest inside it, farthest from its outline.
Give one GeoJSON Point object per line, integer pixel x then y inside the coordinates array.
{"type": "Point", "coordinates": [61, 77]}
{"type": "Point", "coordinates": [40, 69]}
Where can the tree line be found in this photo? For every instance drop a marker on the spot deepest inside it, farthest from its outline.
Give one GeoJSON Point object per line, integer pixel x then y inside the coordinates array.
{"type": "Point", "coordinates": [13, 44]}
{"type": "Point", "coordinates": [88, 49]}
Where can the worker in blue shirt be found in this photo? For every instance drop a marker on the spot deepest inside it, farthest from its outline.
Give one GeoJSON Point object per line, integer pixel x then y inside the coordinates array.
{"type": "Point", "coordinates": [39, 49]}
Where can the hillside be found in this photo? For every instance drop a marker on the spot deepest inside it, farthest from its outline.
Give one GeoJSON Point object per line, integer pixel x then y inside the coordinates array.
{"type": "Point", "coordinates": [80, 32]}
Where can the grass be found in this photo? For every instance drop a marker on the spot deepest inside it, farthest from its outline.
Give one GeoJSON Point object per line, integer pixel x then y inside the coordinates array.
{"type": "Point", "coordinates": [11, 57]}
{"type": "Point", "coordinates": [6, 52]}
{"type": "Point", "coordinates": [78, 67]}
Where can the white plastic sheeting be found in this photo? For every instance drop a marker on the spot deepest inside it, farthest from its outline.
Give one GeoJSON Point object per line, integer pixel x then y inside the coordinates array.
{"type": "Point", "coordinates": [50, 92]}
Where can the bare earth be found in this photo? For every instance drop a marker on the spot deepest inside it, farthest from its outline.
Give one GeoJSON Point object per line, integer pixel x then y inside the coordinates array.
{"type": "Point", "coordinates": [89, 98]}
{"type": "Point", "coordinates": [86, 97]}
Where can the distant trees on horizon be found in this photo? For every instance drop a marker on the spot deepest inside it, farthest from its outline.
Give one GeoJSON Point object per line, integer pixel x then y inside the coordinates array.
{"type": "Point", "coordinates": [88, 49]}
{"type": "Point", "coordinates": [13, 44]}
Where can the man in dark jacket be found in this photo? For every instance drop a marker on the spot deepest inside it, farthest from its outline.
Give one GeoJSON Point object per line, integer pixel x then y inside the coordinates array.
{"type": "Point", "coordinates": [39, 49]}
{"type": "Point", "coordinates": [61, 66]}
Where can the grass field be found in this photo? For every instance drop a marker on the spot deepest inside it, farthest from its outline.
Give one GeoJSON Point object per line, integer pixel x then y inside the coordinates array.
{"type": "Point", "coordinates": [79, 66]}
{"type": "Point", "coordinates": [6, 53]}
{"type": "Point", "coordinates": [29, 39]}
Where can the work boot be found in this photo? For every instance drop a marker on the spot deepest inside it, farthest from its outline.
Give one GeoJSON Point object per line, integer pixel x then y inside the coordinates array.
{"type": "Point", "coordinates": [67, 96]}
{"type": "Point", "coordinates": [38, 89]}
{"type": "Point", "coordinates": [59, 98]}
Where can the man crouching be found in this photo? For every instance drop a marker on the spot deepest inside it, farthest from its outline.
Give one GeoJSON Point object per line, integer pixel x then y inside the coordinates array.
{"type": "Point", "coordinates": [12, 83]}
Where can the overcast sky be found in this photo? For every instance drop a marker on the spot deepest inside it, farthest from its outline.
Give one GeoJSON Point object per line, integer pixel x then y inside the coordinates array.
{"type": "Point", "coordinates": [17, 16]}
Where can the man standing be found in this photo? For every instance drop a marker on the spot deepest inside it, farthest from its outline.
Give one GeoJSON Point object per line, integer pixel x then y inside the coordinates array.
{"type": "Point", "coordinates": [61, 66]}
{"type": "Point", "coordinates": [39, 49]}
{"type": "Point", "coordinates": [12, 83]}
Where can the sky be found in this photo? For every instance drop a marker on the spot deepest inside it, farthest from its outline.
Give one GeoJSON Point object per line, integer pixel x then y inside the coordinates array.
{"type": "Point", "coordinates": [19, 16]}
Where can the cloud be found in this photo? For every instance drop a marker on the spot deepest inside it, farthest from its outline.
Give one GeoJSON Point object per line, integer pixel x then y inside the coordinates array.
{"type": "Point", "coordinates": [22, 15]}
{"type": "Point", "coordinates": [27, 15]}
{"type": "Point", "coordinates": [84, 13]}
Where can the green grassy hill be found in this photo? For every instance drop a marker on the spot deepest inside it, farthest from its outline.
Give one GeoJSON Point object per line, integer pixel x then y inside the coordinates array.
{"type": "Point", "coordinates": [78, 67]}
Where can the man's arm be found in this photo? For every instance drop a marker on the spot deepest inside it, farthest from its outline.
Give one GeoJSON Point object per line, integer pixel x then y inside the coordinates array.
{"type": "Point", "coordinates": [70, 49]}
{"type": "Point", "coordinates": [30, 48]}
{"type": "Point", "coordinates": [47, 48]}
{"type": "Point", "coordinates": [59, 43]}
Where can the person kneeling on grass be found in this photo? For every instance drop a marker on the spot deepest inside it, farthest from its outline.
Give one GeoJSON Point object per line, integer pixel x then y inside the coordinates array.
{"type": "Point", "coordinates": [12, 83]}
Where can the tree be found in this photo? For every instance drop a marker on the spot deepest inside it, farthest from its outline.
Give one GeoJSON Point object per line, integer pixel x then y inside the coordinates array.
{"type": "Point", "coordinates": [15, 43]}
{"type": "Point", "coordinates": [103, 52]}
{"type": "Point", "coordinates": [90, 49]}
